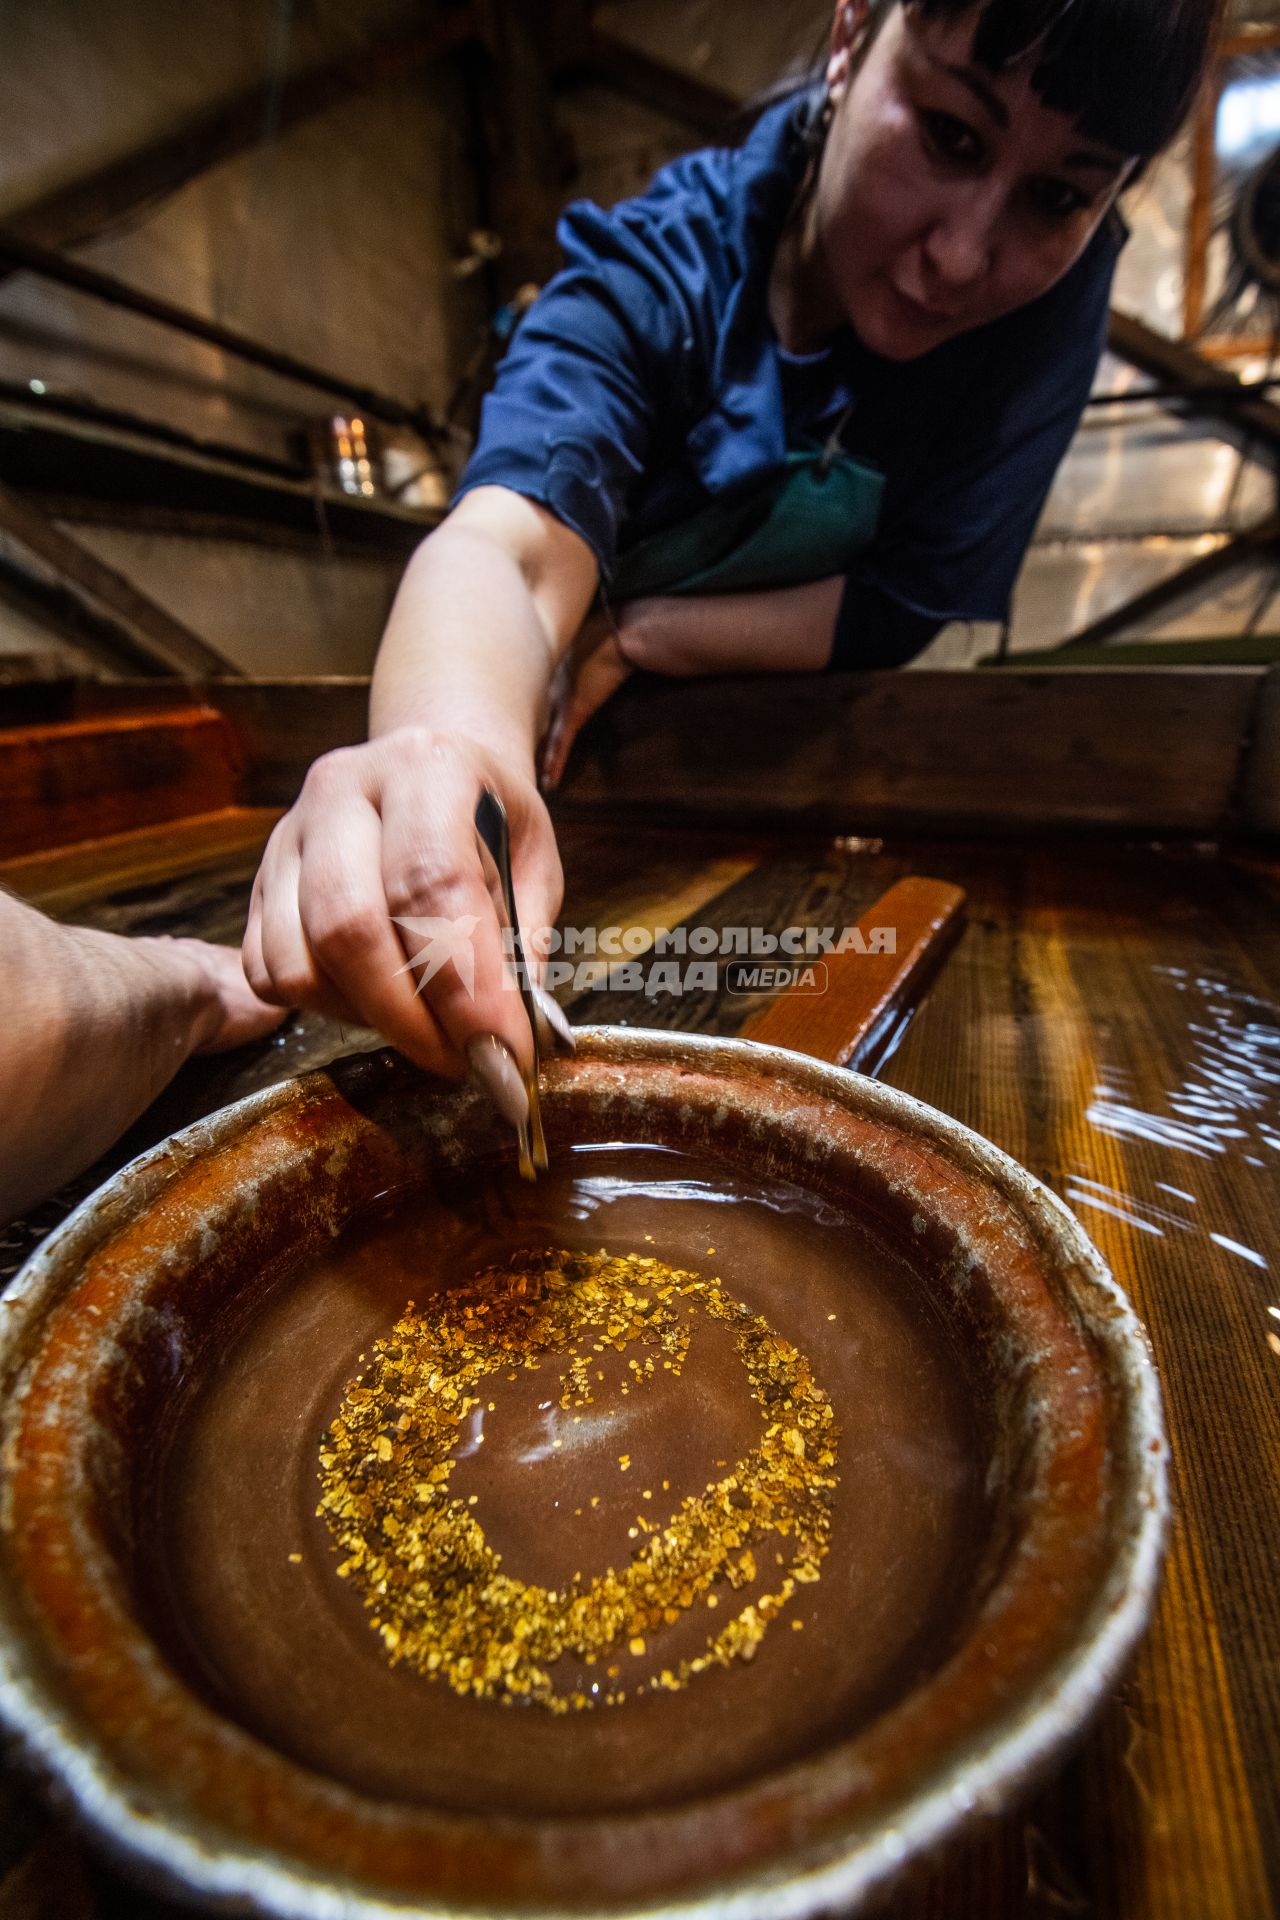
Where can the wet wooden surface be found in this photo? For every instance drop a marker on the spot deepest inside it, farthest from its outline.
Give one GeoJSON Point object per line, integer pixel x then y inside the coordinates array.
{"type": "Point", "coordinates": [1111, 1017]}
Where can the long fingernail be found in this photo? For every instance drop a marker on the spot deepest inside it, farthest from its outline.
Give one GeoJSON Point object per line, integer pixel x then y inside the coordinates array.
{"type": "Point", "coordinates": [553, 1017]}
{"type": "Point", "coordinates": [494, 1070]}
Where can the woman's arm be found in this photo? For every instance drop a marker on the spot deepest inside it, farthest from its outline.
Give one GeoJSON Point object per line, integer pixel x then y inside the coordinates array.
{"type": "Point", "coordinates": [790, 630]}
{"type": "Point", "coordinates": [384, 833]}
{"type": "Point", "coordinates": [95, 1026]}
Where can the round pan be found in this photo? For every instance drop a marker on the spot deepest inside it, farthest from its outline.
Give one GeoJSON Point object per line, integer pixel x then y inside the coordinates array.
{"type": "Point", "coordinates": [115, 1310]}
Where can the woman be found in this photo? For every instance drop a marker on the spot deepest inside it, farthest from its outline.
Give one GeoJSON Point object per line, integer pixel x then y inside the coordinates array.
{"type": "Point", "coordinates": [796, 407]}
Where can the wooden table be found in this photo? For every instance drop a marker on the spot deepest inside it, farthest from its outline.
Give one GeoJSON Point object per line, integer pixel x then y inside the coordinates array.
{"type": "Point", "coordinates": [1111, 1018]}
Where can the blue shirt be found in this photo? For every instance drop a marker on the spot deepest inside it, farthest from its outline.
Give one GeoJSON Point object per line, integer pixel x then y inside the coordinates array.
{"type": "Point", "coordinates": [647, 378]}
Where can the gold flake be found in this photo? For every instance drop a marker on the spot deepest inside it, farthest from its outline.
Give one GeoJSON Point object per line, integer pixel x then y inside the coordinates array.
{"type": "Point", "coordinates": [416, 1553]}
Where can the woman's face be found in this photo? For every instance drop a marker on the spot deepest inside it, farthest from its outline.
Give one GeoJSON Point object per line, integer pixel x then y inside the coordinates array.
{"type": "Point", "coordinates": [947, 196]}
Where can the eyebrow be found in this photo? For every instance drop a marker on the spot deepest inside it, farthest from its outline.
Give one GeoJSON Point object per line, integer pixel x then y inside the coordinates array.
{"type": "Point", "coordinates": [1097, 161]}
{"type": "Point", "coordinates": [1092, 158]}
{"type": "Point", "coordinates": [970, 78]}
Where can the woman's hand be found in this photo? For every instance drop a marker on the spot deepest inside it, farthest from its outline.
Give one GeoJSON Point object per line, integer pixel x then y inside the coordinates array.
{"type": "Point", "coordinates": [377, 865]}
{"type": "Point", "coordinates": [589, 674]}
{"type": "Point", "coordinates": [787, 630]}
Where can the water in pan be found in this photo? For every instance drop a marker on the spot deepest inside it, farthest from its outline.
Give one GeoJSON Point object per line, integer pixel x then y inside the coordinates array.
{"type": "Point", "coordinates": [244, 1572]}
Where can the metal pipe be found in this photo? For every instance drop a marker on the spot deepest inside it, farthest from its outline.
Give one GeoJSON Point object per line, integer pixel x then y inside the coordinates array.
{"type": "Point", "coordinates": [38, 399]}
{"type": "Point", "coordinates": [23, 254]}
{"type": "Point", "coordinates": [1230, 395]}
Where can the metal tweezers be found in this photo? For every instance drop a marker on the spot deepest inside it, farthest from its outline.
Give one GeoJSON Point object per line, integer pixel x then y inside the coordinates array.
{"type": "Point", "coordinates": [495, 837]}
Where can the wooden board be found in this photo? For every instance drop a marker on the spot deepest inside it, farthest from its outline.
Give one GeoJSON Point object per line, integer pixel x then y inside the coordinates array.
{"type": "Point", "coordinates": [1157, 751]}
{"type": "Point", "coordinates": [80, 779]}
{"type": "Point", "coordinates": [67, 878]}
{"type": "Point", "coordinates": [1260, 801]}
{"type": "Point", "coordinates": [851, 1008]}
{"type": "Point", "coordinates": [1169, 750]}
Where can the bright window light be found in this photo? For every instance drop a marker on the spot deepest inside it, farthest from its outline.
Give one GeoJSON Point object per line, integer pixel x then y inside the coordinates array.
{"type": "Point", "coordinates": [1249, 116]}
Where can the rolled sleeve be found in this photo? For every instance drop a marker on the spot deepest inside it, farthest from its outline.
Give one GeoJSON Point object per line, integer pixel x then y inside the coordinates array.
{"type": "Point", "coordinates": [596, 379]}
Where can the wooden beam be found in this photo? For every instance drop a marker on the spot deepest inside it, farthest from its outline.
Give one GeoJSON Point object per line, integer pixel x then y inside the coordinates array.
{"type": "Point", "coordinates": [64, 879]}
{"type": "Point", "coordinates": [613, 62]}
{"type": "Point", "coordinates": [1260, 781]}
{"type": "Point", "coordinates": [1213, 391]}
{"type": "Point", "coordinates": [78, 465]}
{"type": "Point", "coordinates": [100, 199]}
{"type": "Point", "coordinates": [65, 617]}
{"type": "Point", "coordinates": [1258, 37]}
{"type": "Point", "coordinates": [166, 313]}
{"type": "Point", "coordinates": [862, 1000]}
{"type": "Point", "coordinates": [927, 751]}
{"type": "Point", "coordinates": [78, 780]}
{"type": "Point", "coordinates": [166, 642]}
{"type": "Point", "coordinates": [1008, 752]}
{"type": "Point", "coordinates": [1201, 573]}
{"type": "Point", "coordinates": [1204, 173]}
{"type": "Point", "coordinates": [519, 164]}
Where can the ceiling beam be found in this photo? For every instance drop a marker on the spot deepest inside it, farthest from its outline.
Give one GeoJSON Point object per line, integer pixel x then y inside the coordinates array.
{"type": "Point", "coordinates": [1255, 542]}
{"type": "Point", "coordinates": [166, 643]}
{"type": "Point", "coordinates": [100, 199]}
{"type": "Point", "coordinates": [112, 292]}
{"type": "Point", "coordinates": [583, 51]}
{"type": "Point", "coordinates": [60, 614]}
{"type": "Point", "coordinates": [1209, 389]}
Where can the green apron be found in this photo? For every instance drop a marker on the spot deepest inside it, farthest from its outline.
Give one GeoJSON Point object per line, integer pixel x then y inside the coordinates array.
{"type": "Point", "coordinates": [807, 523]}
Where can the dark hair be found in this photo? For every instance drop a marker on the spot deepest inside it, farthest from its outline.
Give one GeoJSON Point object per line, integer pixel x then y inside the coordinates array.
{"type": "Point", "coordinates": [1127, 70]}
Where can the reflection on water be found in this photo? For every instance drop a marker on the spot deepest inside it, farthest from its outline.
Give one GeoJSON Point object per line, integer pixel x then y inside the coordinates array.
{"type": "Point", "coordinates": [589, 1192]}
{"type": "Point", "coordinates": [1083, 1192]}
{"type": "Point", "coordinates": [1226, 1106]}
{"type": "Point", "coordinates": [1225, 1241]}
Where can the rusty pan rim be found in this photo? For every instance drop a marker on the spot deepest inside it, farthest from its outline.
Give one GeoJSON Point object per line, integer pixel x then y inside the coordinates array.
{"type": "Point", "coordinates": [1016, 1746]}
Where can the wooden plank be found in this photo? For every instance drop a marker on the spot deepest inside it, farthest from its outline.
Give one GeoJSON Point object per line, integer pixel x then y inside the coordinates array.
{"type": "Point", "coordinates": [280, 725]}
{"type": "Point", "coordinates": [519, 158]}
{"type": "Point", "coordinates": [67, 783]}
{"type": "Point", "coordinates": [1260, 800]}
{"type": "Point", "coordinates": [868, 993]}
{"type": "Point", "coordinates": [284, 725]}
{"type": "Point", "coordinates": [66, 878]}
{"type": "Point", "coordinates": [1258, 36]}
{"type": "Point", "coordinates": [785, 883]}
{"type": "Point", "coordinates": [658, 887]}
{"type": "Point", "coordinates": [1054, 747]}
{"type": "Point", "coordinates": [885, 751]}
{"type": "Point", "coordinates": [1111, 1020]}
{"type": "Point", "coordinates": [1204, 168]}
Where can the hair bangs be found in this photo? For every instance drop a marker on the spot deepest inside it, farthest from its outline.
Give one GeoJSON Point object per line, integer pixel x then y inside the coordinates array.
{"type": "Point", "coordinates": [1127, 70]}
